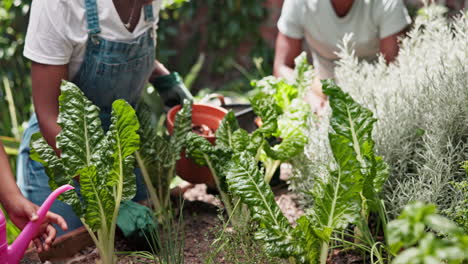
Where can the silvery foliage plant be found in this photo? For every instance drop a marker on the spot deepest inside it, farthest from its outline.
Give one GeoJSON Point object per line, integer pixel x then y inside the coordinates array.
{"type": "Point", "coordinates": [421, 103]}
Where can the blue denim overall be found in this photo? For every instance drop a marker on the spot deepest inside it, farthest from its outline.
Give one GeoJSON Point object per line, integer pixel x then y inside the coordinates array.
{"type": "Point", "coordinates": [110, 71]}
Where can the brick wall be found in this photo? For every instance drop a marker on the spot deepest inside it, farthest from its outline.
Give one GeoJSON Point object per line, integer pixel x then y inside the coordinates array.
{"type": "Point", "coordinates": [269, 30]}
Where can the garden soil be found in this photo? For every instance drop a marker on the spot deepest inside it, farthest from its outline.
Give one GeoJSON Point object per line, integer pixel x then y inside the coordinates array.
{"type": "Point", "coordinates": [201, 223]}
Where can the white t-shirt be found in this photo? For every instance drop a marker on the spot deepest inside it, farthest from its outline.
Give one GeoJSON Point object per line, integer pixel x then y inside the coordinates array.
{"type": "Point", "coordinates": [58, 31]}
{"type": "Point", "coordinates": [317, 22]}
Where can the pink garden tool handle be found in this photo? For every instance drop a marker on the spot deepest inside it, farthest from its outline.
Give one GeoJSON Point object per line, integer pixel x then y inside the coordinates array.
{"type": "Point", "coordinates": [17, 249]}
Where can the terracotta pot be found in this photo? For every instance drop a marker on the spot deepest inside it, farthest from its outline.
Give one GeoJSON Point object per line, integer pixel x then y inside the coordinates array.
{"type": "Point", "coordinates": [202, 114]}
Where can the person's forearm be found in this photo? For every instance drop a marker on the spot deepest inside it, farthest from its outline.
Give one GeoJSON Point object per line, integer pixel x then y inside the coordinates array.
{"type": "Point", "coordinates": [46, 91]}
{"type": "Point", "coordinates": [8, 188]}
{"type": "Point", "coordinates": [49, 130]}
{"type": "Point", "coordinates": [47, 118]}
{"type": "Point", "coordinates": [284, 71]}
{"type": "Point", "coordinates": [389, 46]}
{"type": "Point", "coordinates": [286, 51]}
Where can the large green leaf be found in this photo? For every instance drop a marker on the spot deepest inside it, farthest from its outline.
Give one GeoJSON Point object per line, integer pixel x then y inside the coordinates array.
{"type": "Point", "coordinates": [56, 170]}
{"type": "Point", "coordinates": [350, 137]}
{"type": "Point", "coordinates": [104, 163]}
{"type": "Point", "coordinates": [292, 125]}
{"type": "Point", "coordinates": [44, 154]}
{"type": "Point", "coordinates": [182, 126]}
{"type": "Point", "coordinates": [352, 145]}
{"type": "Point", "coordinates": [245, 180]}
{"type": "Point", "coordinates": [225, 131]}
{"type": "Point", "coordinates": [198, 147]}
{"type": "Point", "coordinates": [240, 139]}
{"type": "Point", "coordinates": [286, 119]}
{"type": "Point", "coordinates": [304, 74]}
{"type": "Point", "coordinates": [284, 94]}
{"type": "Point", "coordinates": [162, 166]}
{"type": "Point", "coordinates": [205, 154]}
{"type": "Point", "coordinates": [82, 136]}
{"type": "Point", "coordinates": [147, 131]}
{"type": "Point", "coordinates": [338, 197]}
{"type": "Point", "coordinates": [410, 226]}
{"type": "Point", "coordinates": [256, 142]}
{"type": "Point", "coordinates": [292, 145]}
{"type": "Point", "coordinates": [336, 204]}
{"type": "Point", "coordinates": [98, 199]}
{"type": "Point", "coordinates": [307, 241]}
{"type": "Point", "coordinates": [266, 108]}
{"type": "Point", "coordinates": [124, 139]}
{"type": "Point", "coordinates": [158, 154]}
{"type": "Point", "coordinates": [154, 151]}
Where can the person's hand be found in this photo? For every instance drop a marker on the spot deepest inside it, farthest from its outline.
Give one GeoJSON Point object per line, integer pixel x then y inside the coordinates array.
{"type": "Point", "coordinates": [21, 211]}
{"type": "Point", "coordinates": [317, 100]}
{"type": "Point", "coordinates": [172, 89]}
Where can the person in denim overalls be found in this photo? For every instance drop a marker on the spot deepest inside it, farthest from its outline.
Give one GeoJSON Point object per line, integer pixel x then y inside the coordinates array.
{"type": "Point", "coordinates": [110, 70]}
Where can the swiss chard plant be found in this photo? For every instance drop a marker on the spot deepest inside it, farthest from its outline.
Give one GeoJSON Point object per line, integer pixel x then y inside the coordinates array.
{"type": "Point", "coordinates": [292, 118]}
{"type": "Point", "coordinates": [159, 154]}
{"type": "Point", "coordinates": [340, 199]}
{"type": "Point", "coordinates": [352, 190]}
{"type": "Point", "coordinates": [408, 236]}
{"type": "Point", "coordinates": [230, 139]}
{"type": "Point", "coordinates": [103, 162]}
{"type": "Point", "coordinates": [283, 116]}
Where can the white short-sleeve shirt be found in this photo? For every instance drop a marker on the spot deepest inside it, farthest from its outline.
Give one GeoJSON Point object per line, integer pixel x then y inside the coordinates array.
{"type": "Point", "coordinates": [315, 20]}
{"type": "Point", "coordinates": [58, 31]}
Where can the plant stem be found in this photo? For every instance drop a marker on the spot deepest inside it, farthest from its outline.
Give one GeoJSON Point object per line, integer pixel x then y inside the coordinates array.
{"type": "Point", "coordinates": [165, 194]}
{"type": "Point", "coordinates": [224, 197]}
{"type": "Point", "coordinates": [118, 200]}
{"type": "Point", "coordinates": [11, 108]}
{"type": "Point", "coordinates": [147, 179]}
{"type": "Point", "coordinates": [93, 236]}
{"type": "Point", "coordinates": [225, 228]}
{"type": "Point", "coordinates": [383, 218]}
{"type": "Point", "coordinates": [324, 253]}
{"type": "Point", "coordinates": [270, 171]}
{"type": "Point", "coordinates": [102, 245]}
{"type": "Point", "coordinates": [259, 152]}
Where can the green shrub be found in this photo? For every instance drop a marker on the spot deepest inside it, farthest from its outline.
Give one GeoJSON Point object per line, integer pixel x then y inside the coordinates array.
{"type": "Point", "coordinates": [409, 238]}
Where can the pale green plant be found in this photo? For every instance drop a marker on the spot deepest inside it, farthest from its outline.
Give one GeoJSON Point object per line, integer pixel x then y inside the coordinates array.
{"type": "Point", "coordinates": [411, 241]}
{"type": "Point", "coordinates": [459, 213]}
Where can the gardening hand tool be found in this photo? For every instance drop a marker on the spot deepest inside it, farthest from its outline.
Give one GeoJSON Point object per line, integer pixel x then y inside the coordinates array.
{"type": "Point", "coordinates": [13, 254]}
{"type": "Point", "coordinates": [243, 112]}
{"type": "Point", "coordinates": [172, 89]}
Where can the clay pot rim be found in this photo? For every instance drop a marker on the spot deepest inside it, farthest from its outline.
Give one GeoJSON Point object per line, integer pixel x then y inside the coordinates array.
{"type": "Point", "coordinates": [173, 112]}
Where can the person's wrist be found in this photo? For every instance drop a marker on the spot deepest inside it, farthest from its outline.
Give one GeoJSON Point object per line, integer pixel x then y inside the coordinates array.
{"type": "Point", "coordinates": [159, 70]}
{"type": "Point", "coordinates": [165, 83]}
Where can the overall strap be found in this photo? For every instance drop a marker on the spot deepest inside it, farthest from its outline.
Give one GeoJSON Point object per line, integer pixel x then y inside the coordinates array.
{"type": "Point", "coordinates": [92, 17]}
{"type": "Point", "coordinates": [149, 15]}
